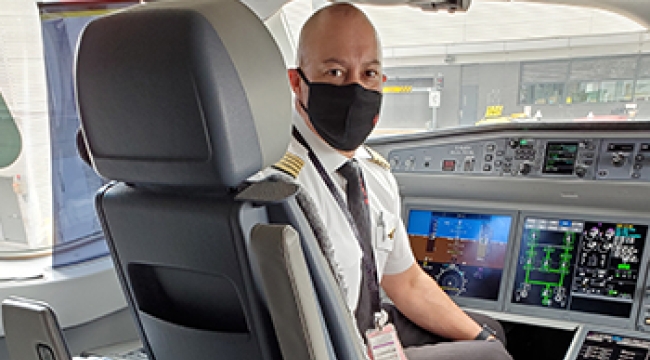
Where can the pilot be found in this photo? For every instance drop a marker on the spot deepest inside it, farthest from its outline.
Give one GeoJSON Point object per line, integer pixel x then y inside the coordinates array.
{"type": "Point", "coordinates": [337, 87]}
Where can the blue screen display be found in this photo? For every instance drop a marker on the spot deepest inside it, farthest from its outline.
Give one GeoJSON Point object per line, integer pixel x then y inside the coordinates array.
{"type": "Point", "coordinates": [464, 252]}
{"type": "Point", "coordinates": [461, 225]}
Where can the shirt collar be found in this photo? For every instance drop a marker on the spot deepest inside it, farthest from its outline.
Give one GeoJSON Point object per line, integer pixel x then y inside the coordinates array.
{"type": "Point", "coordinates": [328, 156]}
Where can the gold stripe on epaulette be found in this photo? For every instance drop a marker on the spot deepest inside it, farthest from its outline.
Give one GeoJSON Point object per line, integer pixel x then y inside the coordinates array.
{"type": "Point", "coordinates": [290, 164]}
{"type": "Point", "coordinates": [378, 159]}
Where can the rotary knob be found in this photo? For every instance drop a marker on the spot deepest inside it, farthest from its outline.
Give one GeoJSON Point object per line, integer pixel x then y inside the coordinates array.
{"type": "Point", "coordinates": [618, 159]}
{"type": "Point", "coordinates": [581, 171]}
{"type": "Point", "coordinates": [525, 168]}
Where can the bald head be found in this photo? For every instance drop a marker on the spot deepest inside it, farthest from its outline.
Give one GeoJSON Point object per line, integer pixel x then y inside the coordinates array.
{"type": "Point", "coordinates": [338, 46]}
{"type": "Point", "coordinates": [342, 21]}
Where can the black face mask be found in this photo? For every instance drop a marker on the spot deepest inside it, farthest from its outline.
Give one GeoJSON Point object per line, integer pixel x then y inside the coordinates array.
{"type": "Point", "coordinates": [344, 115]}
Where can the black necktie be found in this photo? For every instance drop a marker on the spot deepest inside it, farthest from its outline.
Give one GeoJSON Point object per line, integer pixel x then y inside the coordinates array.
{"type": "Point", "coordinates": [369, 301]}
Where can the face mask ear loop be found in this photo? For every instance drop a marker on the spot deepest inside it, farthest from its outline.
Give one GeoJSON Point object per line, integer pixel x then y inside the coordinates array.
{"type": "Point", "coordinates": [304, 78]}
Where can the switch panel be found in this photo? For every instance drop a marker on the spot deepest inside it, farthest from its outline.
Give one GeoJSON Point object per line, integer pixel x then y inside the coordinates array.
{"type": "Point", "coordinates": [532, 157]}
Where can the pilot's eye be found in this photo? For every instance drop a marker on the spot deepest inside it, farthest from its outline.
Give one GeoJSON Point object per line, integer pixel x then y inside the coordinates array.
{"type": "Point", "coordinates": [372, 73]}
{"type": "Point", "coordinates": [335, 72]}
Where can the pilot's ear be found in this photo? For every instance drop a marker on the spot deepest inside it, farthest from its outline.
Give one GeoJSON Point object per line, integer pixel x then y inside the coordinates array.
{"type": "Point", "coordinates": [294, 80]}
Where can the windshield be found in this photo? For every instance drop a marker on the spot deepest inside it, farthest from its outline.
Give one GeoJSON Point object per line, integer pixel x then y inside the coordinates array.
{"type": "Point", "coordinates": [532, 62]}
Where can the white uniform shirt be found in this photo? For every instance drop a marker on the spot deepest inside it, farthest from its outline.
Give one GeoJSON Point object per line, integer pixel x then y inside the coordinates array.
{"type": "Point", "coordinates": [390, 242]}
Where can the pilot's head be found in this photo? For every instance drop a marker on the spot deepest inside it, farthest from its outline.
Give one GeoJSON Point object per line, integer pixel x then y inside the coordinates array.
{"type": "Point", "coordinates": [339, 77]}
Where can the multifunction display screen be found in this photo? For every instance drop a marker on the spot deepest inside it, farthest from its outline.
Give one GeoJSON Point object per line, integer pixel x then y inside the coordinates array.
{"type": "Point", "coordinates": [603, 346]}
{"type": "Point", "coordinates": [560, 158]}
{"type": "Point", "coordinates": [464, 252]}
{"type": "Point", "coordinates": [586, 266]}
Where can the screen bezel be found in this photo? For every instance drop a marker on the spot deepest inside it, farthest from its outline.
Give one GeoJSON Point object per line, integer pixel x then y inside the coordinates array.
{"type": "Point", "coordinates": [574, 315]}
{"type": "Point", "coordinates": [484, 304]}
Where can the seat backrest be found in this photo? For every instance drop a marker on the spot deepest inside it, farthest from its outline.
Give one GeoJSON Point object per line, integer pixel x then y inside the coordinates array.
{"type": "Point", "coordinates": [180, 103]}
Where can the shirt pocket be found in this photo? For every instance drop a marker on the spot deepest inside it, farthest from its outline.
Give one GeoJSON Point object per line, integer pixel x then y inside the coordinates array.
{"type": "Point", "coordinates": [383, 237]}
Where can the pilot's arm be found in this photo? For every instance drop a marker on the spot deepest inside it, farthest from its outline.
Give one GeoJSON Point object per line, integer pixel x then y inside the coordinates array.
{"type": "Point", "coordinates": [420, 298]}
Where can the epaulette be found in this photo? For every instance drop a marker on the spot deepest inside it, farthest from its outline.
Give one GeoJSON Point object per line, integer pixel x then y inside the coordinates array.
{"type": "Point", "coordinates": [290, 164]}
{"type": "Point", "coordinates": [378, 159]}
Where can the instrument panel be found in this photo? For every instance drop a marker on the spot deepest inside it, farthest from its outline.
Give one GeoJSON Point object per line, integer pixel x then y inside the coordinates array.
{"type": "Point", "coordinates": [465, 252]}
{"type": "Point", "coordinates": [588, 270]}
{"type": "Point", "coordinates": [568, 158]}
{"type": "Point", "coordinates": [544, 225]}
{"type": "Point", "coordinates": [609, 344]}
{"type": "Point", "coordinates": [599, 345]}
{"type": "Point", "coordinates": [587, 266]}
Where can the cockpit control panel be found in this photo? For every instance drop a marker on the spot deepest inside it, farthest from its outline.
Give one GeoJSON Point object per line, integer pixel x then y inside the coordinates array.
{"type": "Point", "coordinates": [578, 265]}
{"type": "Point", "coordinates": [561, 267]}
{"type": "Point", "coordinates": [565, 158]}
{"type": "Point", "coordinates": [542, 226]}
{"type": "Point", "coordinates": [598, 345]}
{"type": "Point", "coordinates": [464, 251]}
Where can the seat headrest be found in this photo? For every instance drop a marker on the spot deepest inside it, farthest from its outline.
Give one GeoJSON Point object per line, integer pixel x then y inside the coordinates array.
{"type": "Point", "coordinates": [182, 94]}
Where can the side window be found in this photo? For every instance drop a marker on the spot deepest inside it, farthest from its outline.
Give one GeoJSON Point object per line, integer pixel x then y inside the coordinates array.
{"type": "Point", "coordinates": [12, 229]}
{"type": "Point", "coordinates": [77, 232]}
{"type": "Point", "coordinates": [73, 182]}
{"type": "Point", "coordinates": [25, 193]}
{"type": "Point", "coordinates": [46, 191]}
{"type": "Point", "coordinates": [10, 140]}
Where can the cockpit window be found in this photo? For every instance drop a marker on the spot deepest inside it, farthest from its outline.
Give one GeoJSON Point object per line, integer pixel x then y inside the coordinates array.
{"type": "Point", "coordinates": [12, 233]}
{"type": "Point", "coordinates": [475, 68]}
{"type": "Point", "coordinates": [25, 213]}
{"type": "Point", "coordinates": [46, 191]}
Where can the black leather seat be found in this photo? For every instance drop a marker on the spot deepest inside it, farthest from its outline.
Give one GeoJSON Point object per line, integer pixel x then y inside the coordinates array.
{"type": "Point", "coordinates": [180, 104]}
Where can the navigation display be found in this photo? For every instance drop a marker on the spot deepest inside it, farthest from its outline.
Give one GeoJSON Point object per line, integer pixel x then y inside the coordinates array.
{"type": "Point", "coordinates": [464, 252]}
{"type": "Point", "coordinates": [560, 158]}
{"type": "Point", "coordinates": [603, 346]}
{"type": "Point", "coordinates": [586, 266]}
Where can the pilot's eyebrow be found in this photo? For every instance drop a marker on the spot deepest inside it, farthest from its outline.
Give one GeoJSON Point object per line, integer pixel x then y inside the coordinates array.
{"type": "Point", "coordinates": [335, 60]}
{"type": "Point", "coordinates": [345, 63]}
